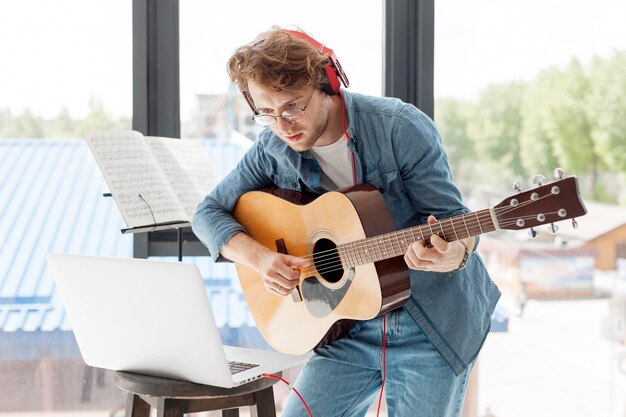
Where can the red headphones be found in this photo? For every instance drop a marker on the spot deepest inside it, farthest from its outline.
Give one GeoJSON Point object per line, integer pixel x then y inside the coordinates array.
{"type": "Point", "coordinates": [335, 75]}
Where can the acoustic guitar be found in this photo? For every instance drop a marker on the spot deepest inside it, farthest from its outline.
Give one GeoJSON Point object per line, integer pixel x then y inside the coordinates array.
{"type": "Point", "coordinates": [358, 270]}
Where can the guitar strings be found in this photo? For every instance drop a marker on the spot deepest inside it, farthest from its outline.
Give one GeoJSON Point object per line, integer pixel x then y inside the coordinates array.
{"type": "Point", "coordinates": [445, 223]}
{"type": "Point", "coordinates": [387, 236]}
{"type": "Point", "coordinates": [337, 265]}
{"type": "Point", "coordinates": [367, 245]}
{"type": "Point", "coordinates": [323, 265]}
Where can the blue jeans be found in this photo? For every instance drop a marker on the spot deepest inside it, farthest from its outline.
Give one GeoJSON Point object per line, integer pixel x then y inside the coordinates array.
{"type": "Point", "coordinates": [343, 379]}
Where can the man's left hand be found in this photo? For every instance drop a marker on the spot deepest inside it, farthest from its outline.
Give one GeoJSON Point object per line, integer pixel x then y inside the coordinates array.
{"type": "Point", "coordinates": [442, 256]}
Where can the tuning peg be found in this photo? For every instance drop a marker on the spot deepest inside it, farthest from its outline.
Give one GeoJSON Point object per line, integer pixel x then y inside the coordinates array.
{"type": "Point", "coordinates": [532, 233]}
{"type": "Point", "coordinates": [574, 224]}
{"type": "Point", "coordinates": [517, 186]}
{"type": "Point", "coordinates": [538, 179]}
{"type": "Point", "coordinates": [553, 228]}
{"type": "Point", "coordinates": [559, 173]}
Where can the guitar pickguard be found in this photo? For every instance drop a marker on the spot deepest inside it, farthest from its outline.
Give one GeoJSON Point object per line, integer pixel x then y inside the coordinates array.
{"type": "Point", "coordinates": [321, 300]}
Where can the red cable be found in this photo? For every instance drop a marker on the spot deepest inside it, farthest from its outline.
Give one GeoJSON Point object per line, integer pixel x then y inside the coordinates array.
{"type": "Point", "coordinates": [291, 388]}
{"type": "Point", "coordinates": [382, 387]}
{"type": "Point", "coordinates": [345, 132]}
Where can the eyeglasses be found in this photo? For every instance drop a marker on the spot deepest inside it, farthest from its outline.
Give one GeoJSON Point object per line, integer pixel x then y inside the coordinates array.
{"type": "Point", "coordinates": [293, 115]}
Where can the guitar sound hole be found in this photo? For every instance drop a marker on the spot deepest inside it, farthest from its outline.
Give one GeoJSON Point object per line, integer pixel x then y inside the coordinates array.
{"type": "Point", "coordinates": [327, 260]}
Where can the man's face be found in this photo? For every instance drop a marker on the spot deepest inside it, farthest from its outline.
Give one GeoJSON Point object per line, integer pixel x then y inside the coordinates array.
{"type": "Point", "coordinates": [298, 136]}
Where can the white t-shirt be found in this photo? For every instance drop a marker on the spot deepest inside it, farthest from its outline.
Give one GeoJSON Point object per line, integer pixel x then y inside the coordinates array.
{"type": "Point", "coordinates": [336, 163]}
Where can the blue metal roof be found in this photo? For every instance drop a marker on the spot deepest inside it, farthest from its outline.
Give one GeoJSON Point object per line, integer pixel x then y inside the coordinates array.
{"type": "Point", "coordinates": [51, 201]}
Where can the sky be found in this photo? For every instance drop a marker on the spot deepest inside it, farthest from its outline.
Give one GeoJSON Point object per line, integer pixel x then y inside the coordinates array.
{"type": "Point", "coordinates": [61, 54]}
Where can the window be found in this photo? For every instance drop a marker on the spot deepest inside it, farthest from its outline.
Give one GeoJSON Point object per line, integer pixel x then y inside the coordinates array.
{"type": "Point", "coordinates": [67, 68]}
{"type": "Point", "coordinates": [521, 88]}
{"type": "Point", "coordinates": [210, 32]}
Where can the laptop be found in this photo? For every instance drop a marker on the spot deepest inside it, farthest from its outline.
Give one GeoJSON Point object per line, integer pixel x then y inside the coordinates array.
{"type": "Point", "coordinates": [153, 317]}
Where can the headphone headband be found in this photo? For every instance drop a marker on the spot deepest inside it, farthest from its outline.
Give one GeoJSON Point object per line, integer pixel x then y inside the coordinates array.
{"type": "Point", "coordinates": [337, 72]}
{"type": "Point", "coordinates": [335, 75]}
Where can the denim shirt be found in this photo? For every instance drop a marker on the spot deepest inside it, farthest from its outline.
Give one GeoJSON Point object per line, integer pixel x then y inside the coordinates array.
{"type": "Point", "coordinates": [398, 150]}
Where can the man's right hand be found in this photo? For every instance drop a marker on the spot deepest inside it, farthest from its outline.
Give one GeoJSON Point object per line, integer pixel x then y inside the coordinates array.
{"type": "Point", "coordinates": [281, 273]}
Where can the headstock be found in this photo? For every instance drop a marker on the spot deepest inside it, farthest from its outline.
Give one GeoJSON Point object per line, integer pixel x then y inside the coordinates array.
{"type": "Point", "coordinates": [543, 205]}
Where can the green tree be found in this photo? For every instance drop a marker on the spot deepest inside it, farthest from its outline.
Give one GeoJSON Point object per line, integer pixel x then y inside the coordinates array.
{"type": "Point", "coordinates": [606, 106]}
{"type": "Point", "coordinates": [536, 148]}
{"type": "Point", "coordinates": [567, 124]}
{"type": "Point", "coordinates": [99, 119]}
{"type": "Point", "coordinates": [452, 116]}
{"type": "Point", "coordinates": [63, 126]}
{"type": "Point", "coordinates": [571, 127]}
{"type": "Point", "coordinates": [495, 130]}
{"type": "Point", "coordinates": [25, 125]}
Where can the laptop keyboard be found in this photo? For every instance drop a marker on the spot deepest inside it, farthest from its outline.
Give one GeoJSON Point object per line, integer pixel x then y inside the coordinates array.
{"type": "Point", "coordinates": [236, 367]}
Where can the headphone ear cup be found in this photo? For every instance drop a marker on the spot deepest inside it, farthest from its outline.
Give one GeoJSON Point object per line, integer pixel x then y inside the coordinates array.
{"type": "Point", "coordinates": [333, 85]}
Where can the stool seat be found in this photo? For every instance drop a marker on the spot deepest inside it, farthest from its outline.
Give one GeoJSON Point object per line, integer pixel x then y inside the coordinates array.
{"type": "Point", "coordinates": [173, 398]}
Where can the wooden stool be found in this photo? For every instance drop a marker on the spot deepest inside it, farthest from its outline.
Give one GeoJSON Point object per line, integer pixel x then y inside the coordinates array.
{"type": "Point", "coordinates": [173, 398]}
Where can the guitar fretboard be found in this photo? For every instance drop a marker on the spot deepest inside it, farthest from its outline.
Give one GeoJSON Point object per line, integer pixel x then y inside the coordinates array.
{"type": "Point", "coordinates": [394, 244]}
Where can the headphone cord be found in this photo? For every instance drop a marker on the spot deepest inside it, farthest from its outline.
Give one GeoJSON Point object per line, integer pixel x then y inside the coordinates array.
{"type": "Point", "coordinates": [292, 388]}
{"type": "Point", "coordinates": [382, 387]}
{"type": "Point", "coordinates": [384, 360]}
{"type": "Point", "coordinates": [345, 132]}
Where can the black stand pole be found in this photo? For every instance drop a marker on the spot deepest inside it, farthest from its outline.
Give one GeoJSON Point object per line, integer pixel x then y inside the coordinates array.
{"type": "Point", "coordinates": [180, 244]}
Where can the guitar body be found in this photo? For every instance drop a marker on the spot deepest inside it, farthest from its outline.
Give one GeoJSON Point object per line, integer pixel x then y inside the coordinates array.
{"type": "Point", "coordinates": [304, 226]}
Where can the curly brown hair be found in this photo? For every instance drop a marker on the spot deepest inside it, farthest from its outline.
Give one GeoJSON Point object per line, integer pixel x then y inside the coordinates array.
{"type": "Point", "coordinates": [280, 62]}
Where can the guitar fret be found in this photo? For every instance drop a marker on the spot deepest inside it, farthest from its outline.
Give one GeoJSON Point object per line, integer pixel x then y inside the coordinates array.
{"type": "Point", "coordinates": [350, 253]}
{"type": "Point", "coordinates": [346, 253]}
{"type": "Point", "coordinates": [399, 250]}
{"type": "Point", "coordinates": [353, 255]}
{"type": "Point", "coordinates": [364, 253]}
{"type": "Point", "coordinates": [405, 245]}
{"type": "Point", "coordinates": [388, 246]}
{"type": "Point", "coordinates": [442, 231]}
{"type": "Point", "coordinates": [375, 250]}
{"type": "Point", "coordinates": [465, 224]}
{"type": "Point", "coordinates": [481, 228]}
{"type": "Point", "coordinates": [396, 243]}
{"type": "Point", "coordinates": [454, 230]}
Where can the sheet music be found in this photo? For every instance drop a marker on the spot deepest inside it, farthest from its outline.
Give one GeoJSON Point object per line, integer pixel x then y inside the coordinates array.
{"type": "Point", "coordinates": [187, 167]}
{"type": "Point", "coordinates": [133, 175]}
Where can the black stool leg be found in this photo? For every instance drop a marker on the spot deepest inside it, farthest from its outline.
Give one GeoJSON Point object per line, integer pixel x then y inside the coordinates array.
{"type": "Point", "coordinates": [265, 406]}
{"type": "Point", "coordinates": [168, 407]}
{"type": "Point", "coordinates": [231, 412]}
{"type": "Point", "coordinates": [136, 407]}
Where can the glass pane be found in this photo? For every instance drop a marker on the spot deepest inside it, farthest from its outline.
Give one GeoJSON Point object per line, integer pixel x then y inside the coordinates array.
{"type": "Point", "coordinates": [62, 72]}
{"type": "Point", "coordinates": [66, 68]}
{"type": "Point", "coordinates": [522, 88]}
{"type": "Point", "coordinates": [211, 31]}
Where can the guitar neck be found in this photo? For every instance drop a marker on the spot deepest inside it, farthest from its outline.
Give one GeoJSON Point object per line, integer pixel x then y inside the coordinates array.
{"type": "Point", "coordinates": [396, 243]}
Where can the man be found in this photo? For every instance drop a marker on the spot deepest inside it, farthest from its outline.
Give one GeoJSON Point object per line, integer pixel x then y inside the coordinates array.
{"type": "Point", "coordinates": [320, 138]}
